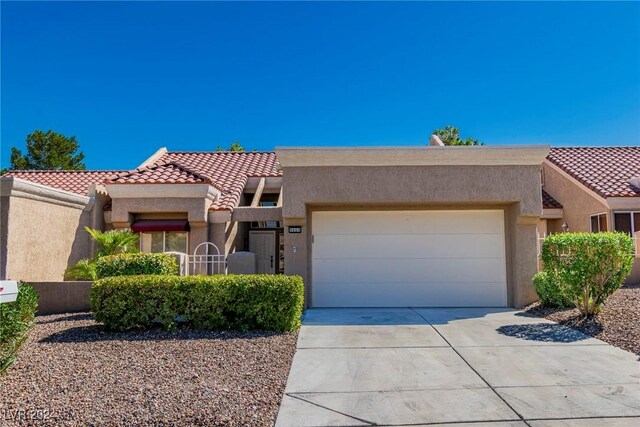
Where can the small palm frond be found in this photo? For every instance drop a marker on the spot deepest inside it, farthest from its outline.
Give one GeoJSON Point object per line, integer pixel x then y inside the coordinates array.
{"type": "Point", "coordinates": [114, 241]}
{"type": "Point", "coordinates": [84, 270]}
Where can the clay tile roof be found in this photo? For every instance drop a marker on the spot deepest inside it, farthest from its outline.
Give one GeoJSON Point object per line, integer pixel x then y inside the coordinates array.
{"type": "Point", "coordinates": [73, 181]}
{"type": "Point", "coordinates": [549, 202]}
{"type": "Point", "coordinates": [163, 173]}
{"type": "Point", "coordinates": [228, 171]}
{"type": "Point", "coordinates": [605, 170]}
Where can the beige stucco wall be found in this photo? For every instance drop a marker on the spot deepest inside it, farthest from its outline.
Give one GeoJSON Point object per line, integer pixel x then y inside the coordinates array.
{"type": "Point", "coordinates": [516, 189]}
{"type": "Point", "coordinates": [578, 205]}
{"type": "Point", "coordinates": [123, 211]}
{"type": "Point", "coordinates": [43, 239]}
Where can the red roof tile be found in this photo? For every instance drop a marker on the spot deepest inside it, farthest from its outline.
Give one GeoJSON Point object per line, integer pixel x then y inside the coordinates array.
{"type": "Point", "coordinates": [549, 202]}
{"type": "Point", "coordinates": [227, 171]}
{"type": "Point", "coordinates": [73, 181]}
{"type": "Point", "coordinates": [166, 173]}
{"type": "Point", "coordinates": [605, 170]}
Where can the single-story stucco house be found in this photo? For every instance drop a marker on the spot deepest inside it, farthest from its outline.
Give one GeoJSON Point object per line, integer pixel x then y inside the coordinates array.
{"type": "Point", "coordinates": [591, 189]}
{"type": "Point", "coordinates": [364, 227]}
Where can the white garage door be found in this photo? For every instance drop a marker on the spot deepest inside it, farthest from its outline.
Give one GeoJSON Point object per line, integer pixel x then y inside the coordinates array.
{"type": "Point", "coordinates": [409, 258]}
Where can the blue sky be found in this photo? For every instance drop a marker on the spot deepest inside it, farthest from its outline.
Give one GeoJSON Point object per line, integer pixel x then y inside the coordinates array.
{"type": "Point", "coordinates": [128, 78]}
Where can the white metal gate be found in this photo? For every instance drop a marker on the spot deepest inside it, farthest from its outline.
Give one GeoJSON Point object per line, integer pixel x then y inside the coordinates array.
{"type": "Point", "coordinates": [206, 260]}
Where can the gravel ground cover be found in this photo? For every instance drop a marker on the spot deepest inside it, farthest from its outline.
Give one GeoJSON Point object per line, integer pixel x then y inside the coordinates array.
{"type": "Point", "coordinates": [71, 372]}
{"type": "Point", "coordinates": [618, 323]}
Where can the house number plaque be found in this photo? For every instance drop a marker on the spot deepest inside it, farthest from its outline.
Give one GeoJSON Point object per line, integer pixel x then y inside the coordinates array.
{"type": "Point", "coordinates": [295, 229]}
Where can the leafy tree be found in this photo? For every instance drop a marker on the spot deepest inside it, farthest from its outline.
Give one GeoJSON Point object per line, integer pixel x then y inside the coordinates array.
{"type": "Point", "coordinates": [234, 147]}
{"type": "Point", "coordinates": [48, 150]}
{"type": "Point", "coordinates": [450, 135]}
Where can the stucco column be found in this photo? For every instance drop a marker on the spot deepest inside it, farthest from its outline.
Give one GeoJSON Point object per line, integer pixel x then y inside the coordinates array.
{"type": "Point", "coordinates": [524, 253]}
{"type": "Point", "coordinates": [197, 235]}
{"type": "Point", "coordinates": [296, 254]}
{"type": "Point", "coordinates": [217, 235]}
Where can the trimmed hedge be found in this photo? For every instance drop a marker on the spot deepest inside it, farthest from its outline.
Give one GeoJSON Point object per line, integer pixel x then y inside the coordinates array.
{"type": "Point", "coordinates": [16, 318]}
{"type": "Point", "coordinates": [583, 269]}
{"type": "Point", "coordinates": [136, 264]}
{"type": "Point", "coordinates": [242, 302]}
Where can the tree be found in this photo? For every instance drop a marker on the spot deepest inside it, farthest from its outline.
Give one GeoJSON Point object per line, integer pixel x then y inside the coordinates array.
{"type": "Point", "coordinates": [451, 136]}
{"type": "Point", "coordinates": [48, 150]}
{"type": "Point", "coordinates": [234, 147]}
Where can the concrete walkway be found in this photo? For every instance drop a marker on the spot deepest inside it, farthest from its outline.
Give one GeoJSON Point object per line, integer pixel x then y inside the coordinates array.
{"type": "Point", "coordinates": [361, 367]}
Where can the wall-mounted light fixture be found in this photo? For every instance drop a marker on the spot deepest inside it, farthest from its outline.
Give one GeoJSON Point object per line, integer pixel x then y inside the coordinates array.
{"type": "Point", "coordinates": [565, 227]}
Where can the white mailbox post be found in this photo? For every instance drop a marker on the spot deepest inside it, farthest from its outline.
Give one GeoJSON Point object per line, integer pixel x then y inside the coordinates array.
{"type": "Point", "coordinates": [8, 291]}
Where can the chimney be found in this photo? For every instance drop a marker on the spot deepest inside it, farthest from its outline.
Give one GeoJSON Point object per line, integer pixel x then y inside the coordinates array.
{"type": "Point", "coordinates": [436, 141]}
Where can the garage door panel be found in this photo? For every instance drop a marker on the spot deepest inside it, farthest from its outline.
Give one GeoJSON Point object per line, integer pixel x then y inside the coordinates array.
{"type": "Point", "coordinates": [396, 246]}
{"type": "Point", "coordinates": [408, 258]}
{"type": "Point", "coordinates": [406, 222]}
{"type": "Point", "coordinates": [476, 294]}
{"type": "Point", "coordinates": [450, 270]}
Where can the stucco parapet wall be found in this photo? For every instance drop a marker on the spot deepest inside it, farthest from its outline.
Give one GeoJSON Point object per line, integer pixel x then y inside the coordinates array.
{"type": "Point", "coordinates": [154, 191]}
{"type": "Point", "coordinates": [16, 187]}
{"type": "Point", "coordinates": [412, 156]}
{"type": "Point", "coordinates": [396, 186]}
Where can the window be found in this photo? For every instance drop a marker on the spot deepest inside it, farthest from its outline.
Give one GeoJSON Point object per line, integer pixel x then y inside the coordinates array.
{"type": "Point", "coordinates": [598, 223]}
{"type": "Point", "coordinates": [164, 241]}
{"type": "Point", "coordinates": [627, 222]}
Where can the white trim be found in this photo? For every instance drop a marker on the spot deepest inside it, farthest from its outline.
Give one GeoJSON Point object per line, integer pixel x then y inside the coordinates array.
{"type": "Point", "coordinates": [583, 187]}
{"type": "Point", "coordinates": [154, 157]}
{"type": "Point", "coordinates": [16, 187]}
{"type": "Point", "coordinates": [599, 214]}
{"type": "Point", "coordinates": [635, 231]}
{"type": "Point", "coordinates": [412, 156]}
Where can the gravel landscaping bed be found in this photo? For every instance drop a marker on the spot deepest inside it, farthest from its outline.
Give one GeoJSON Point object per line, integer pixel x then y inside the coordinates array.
{"type": "Point", "coordinates": [71, 372]}
{"type": "Point", "coordinates": [618, 323]}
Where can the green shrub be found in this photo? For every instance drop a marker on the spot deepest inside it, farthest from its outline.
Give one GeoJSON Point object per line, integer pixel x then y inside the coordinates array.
{"type": "Point", "coordinates": [583, 269]}
{"type": "Point", "coordinates": [15, 320]}
{"type": "Point", "coordinates": [243, 302]}
{"type": "Point", "coordinates": [549, 290]}
{"type": "Point", "coordinates": [136, 264]}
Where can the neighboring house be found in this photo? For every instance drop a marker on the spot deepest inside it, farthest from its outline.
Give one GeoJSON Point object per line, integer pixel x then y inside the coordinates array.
{"type": "Point", "coordinates": [436, 226]}
{"type": "Point", "coordinates": [593, 189]}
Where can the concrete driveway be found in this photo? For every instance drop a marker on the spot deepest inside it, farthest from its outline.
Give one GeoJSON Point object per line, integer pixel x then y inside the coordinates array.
{"type": "Point", "coordinates": [361, 367]}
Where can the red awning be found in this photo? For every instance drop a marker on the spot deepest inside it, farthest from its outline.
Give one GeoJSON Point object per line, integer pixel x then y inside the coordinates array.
{"type": "Point", "coordinates": [146, 225]}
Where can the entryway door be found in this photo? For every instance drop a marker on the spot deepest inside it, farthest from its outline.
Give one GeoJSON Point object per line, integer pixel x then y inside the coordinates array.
{"type": "Point", "coordinates": [263, 244]}
{"type": "Point", "coordinates": [453, 258]}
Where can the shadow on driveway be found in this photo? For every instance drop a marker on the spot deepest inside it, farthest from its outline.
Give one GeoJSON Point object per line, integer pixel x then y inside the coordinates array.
{"type": "Point", "coordinates": [543, 332]}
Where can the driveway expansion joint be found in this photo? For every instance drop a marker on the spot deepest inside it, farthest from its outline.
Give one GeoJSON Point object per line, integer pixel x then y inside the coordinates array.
{"type": "Point", "coordinates": [293, 396]}
{"type": "Point", "coordinates": [472, 368]}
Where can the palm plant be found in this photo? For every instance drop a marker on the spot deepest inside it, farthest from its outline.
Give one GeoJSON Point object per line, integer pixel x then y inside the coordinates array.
{"type": "Point", "coordinates": [84, 270]}
{"type": "Point", "coordinates": [114, 241]}
{"type": "Point", "coordinates": [109, 243]}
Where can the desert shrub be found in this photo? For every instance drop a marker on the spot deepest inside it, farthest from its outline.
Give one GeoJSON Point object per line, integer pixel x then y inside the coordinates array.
{"type": "Point", "coordinates": [549, 290]}
{"type": "Point", "coordinates": [136, 264]}
{"type": "Point", "coordinates": [583, 269]}
{"type": "Point", "coordinates": [242, 302]}
{"type": "Point", "coordinates": [16, 318]}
